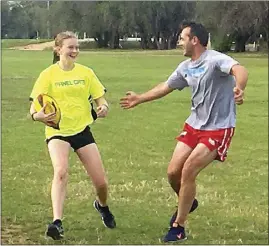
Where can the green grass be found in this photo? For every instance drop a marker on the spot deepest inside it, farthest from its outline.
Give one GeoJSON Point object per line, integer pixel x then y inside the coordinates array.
{"type": "Point", "coordinates": [136, 146]}
{"type": "Point", "coordinates": [8, 43]}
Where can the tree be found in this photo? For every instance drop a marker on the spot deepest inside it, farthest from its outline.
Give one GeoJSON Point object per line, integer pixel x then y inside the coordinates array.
{"type": "Point", "coordinates": [242, 20]}
{"type": "Point", "coordinates": [157, 23]}
{"type": "Point", "coordinates": [65, 16]}
{"type": "Point", "coordinates": [37, 12]}
{"type": "Point", "coordinates": [93, 22]}
{"type": "Point", "coordinates": [4, 18]}
{"type": "Point", "coordinates": [18, 24]}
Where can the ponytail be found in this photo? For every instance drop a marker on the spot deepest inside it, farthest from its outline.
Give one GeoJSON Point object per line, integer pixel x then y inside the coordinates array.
{"type": "Point", "coordinates": [56, 58]}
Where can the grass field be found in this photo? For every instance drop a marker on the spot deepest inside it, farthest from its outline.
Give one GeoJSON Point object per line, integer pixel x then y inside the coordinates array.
{"type": "Point", "coordinates": [136, 146]}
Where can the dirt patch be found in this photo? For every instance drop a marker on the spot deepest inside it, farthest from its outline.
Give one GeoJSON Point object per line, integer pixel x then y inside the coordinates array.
{"type": "Point", "coordinates": [41, 46]}
{"type": "Point", "coordinates": [11, 234]}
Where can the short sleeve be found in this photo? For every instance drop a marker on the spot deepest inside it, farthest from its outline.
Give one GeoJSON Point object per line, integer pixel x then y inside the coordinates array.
{"type": "Point", "coordinates": [224, 63]}
{"type": "Point", "coordinates": [41, 85]}
{"type": "Point", "coordinates": [176, 79]}
{"type": "Point", "coordinates": [96, 89]}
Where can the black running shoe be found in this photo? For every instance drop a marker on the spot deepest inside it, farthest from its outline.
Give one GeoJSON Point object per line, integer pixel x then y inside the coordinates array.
{"type": "Point", "coordinates": [106, 215]}
{"type": "Point", "coordinates": [55, 230]}
{"type": "Point", "coordinates": [193, 207]}
{"type": "Point", "coordinates": [175, 234]}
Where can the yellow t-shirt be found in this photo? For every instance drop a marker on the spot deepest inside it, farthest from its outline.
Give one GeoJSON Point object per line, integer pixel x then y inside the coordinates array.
{"type": "Point", "coordinates": [72, 91]}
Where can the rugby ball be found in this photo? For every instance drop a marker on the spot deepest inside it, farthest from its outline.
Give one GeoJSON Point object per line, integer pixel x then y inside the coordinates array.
{"type": "Point", "coordinates": [51, 107]}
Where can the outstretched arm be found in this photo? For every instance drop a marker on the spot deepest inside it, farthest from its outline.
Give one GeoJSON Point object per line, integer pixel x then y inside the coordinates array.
{"type": "Point", "coordinates": [132, 99]}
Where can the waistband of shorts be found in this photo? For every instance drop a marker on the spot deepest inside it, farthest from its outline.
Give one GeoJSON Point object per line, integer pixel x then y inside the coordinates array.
{"type": "Point", "coordinates": [187, 126]}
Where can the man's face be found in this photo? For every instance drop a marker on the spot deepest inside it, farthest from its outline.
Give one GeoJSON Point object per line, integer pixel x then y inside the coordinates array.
{"type": "Point", "coordinates": [186, 42]}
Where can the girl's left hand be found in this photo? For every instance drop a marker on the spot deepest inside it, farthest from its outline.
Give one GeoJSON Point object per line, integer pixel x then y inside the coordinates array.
{"type": "Point", "coordinates": [102, 111]}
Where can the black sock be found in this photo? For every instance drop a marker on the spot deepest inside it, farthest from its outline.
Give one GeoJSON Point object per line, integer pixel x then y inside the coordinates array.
{"type": "Point", "coordinates": [103, 209]}
{"type": "Point", "coordinates": [100, 206]}
{"type": "Point", "coordinates": [57, 222]}
{"type": "Point", "coordinates": [179, 226]}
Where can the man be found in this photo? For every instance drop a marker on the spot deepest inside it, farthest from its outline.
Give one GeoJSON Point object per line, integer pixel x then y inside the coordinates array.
{"type": "Point", "coordinates": [217, 83]}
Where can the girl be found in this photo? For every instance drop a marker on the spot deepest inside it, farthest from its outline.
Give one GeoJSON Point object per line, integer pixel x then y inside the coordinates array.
{"type": "Point", "coordinates": [73, 86]}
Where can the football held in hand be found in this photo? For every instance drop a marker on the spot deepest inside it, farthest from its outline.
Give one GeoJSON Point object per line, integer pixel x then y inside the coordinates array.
{"type": "Point", "coordinates": [51, 107]}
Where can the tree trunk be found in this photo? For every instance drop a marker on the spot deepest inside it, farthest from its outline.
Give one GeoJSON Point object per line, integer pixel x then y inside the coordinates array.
{"type": "Point", "coordinates": [106, 39]}
{"type": "Point", "coordinates": [98, 39]}
{"type": "Point", "coordinates": [266, 37]}
{"type": "Point", "coordinates": [144, 42]}
{"type": "Point", "coordinates": [174, 39]}
{"type": "Point", "coordinates": [156, 43]}
{"type": "Point", "coordinates": [112, 39]}
{"type": "Point", "coordinates": [163, 41]}
{"type": "Point", "coordinates": [240, 43]}
{"type": "Point", "coordinates": [169, 44]}
{"type": "Point", "coordinates": [102, 39]}
{"type": "Point", "coordinates": [240, 46]}
{"type": "Point", "coordinates": [117, 40]}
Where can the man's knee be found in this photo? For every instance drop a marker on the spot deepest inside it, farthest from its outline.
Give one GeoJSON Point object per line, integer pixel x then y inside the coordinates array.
{"type": "Point", "coordinates": [189, 172]}
{"type": "Point", "coordinates": [173, 173]}
{"type": "Point", "coordinates": [101, 184]}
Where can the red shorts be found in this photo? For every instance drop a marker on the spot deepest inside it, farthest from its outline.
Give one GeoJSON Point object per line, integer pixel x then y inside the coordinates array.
{"type": "Point", "coordinates": [217, 139]}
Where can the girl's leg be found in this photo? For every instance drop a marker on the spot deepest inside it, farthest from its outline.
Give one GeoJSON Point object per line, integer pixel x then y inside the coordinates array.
{"type": "Point", "coordinates": [91, 159]}
{"type": "Point", "coordinates": [59, 154]}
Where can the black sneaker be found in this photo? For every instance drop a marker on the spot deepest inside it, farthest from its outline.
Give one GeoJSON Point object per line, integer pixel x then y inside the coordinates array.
{"type": "Point", "coordinates": [193, 207]}
{"type": "Point", "coordinates": [106, 215]}
{"type": "Point", "coordinates": [55, 230]}
{"type": "Point", "coordinates": [175, 234]}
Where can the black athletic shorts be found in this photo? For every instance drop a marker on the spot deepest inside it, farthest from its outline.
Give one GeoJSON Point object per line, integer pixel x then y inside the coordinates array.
{"type": "Point", "coordinates": [77, 141]}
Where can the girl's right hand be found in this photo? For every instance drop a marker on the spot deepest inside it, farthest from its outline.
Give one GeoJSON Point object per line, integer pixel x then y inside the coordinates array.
{"type": "Point", "coordinates": [47, 119]}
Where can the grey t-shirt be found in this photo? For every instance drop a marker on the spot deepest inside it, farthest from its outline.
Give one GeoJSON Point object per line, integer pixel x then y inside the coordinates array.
{"type": "Point", "coordinates": [213, 105]}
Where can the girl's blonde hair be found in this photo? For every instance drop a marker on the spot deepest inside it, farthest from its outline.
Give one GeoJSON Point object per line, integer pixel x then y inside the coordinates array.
{"type": "Point", "coordinates": [60, 37]}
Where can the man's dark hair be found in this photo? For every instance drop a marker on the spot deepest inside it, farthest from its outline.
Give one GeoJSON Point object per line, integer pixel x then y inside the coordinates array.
{"type": "Point", "coordinates": [197, 30]}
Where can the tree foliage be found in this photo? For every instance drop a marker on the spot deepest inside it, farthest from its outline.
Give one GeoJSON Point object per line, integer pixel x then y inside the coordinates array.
{"type": "Point", "coordinates": [155, 22]}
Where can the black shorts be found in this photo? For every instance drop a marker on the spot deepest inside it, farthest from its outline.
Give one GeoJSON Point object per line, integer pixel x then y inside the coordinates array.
{"type": "Point", "coordinates": [77, 141]}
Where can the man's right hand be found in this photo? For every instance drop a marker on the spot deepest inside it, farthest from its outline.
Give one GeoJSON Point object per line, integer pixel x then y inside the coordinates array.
{"type": "Point", "coordinates": [130, 100]}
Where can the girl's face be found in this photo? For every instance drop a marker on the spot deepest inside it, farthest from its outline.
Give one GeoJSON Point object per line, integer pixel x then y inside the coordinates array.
{"type": "Point", "coordinates": [69, 50]}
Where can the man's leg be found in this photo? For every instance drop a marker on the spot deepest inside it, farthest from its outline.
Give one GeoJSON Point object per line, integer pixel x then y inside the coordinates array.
{"type": "Point", "coordinates": [181, 153]}
{"type": "Point", "coordinates": [200, 157]}
{"type": "Point", "coordinates": [183, 149]}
